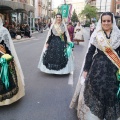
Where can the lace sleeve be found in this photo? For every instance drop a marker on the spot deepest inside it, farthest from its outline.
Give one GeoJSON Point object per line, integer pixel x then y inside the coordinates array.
{"type": "Point", "coordinates": [89, 57]}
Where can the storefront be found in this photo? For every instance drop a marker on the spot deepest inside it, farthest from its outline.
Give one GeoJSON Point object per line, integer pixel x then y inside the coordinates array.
{"type": "Point", "coordinates": [17, 12]}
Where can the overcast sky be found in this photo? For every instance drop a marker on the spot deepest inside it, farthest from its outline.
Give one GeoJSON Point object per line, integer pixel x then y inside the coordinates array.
{"type": "Point", "coordinates": [56, 3]}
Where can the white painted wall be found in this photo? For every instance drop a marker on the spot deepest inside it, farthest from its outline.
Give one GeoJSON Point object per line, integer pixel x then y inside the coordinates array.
{"type": "Point", "coordinates": [44, 10]}
{"type": "Point", "coordinates": [78, 5]}
{"type": "Point", "coordinates": [103, 5]}
{"type": "Point", "coordinates": [36, 8]}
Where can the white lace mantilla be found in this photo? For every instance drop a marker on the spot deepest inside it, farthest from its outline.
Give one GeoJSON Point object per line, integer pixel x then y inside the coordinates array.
{"type": "Point", "coordinates": [115, 35]}
{"type": "Point", "coordinates": [4, 35]}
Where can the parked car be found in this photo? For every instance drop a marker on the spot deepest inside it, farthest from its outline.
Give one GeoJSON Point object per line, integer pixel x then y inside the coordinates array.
{"type": "Point", "coordinates": [117, 18]}
{"type": "Point", "coordinates": [87, 24]}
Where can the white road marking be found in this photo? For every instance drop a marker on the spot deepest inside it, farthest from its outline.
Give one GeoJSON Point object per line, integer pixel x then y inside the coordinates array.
{"type": "Point", "coordinates": [26, 41]}
{"type": "Point", "coordinates": [70, 80]}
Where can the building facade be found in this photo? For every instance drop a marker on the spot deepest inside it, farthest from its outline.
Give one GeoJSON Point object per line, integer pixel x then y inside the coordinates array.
{"type": "Point", "coordinates": [91, 2]}
{"type": "Point", "coordinates": [106, 5]}
{"type": "Point", "coordinates": [43, 9]}
{"type": "Point", "coordinates": [17, 11]}
{"type": "Point", "coordinates": [77, 5]}
{"type": "Point", "coordinates": [118, 7]}
{"type": "Point", "coordinates": [101, 5]}
{"type": "Point", "coordinates": [38, 8]}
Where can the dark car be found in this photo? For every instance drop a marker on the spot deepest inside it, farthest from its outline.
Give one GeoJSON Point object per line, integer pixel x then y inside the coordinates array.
{"type": "Point", "coordinates": [117, 18]}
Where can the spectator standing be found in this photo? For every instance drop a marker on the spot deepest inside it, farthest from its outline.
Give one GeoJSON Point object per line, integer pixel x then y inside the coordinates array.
{"type": "Point", "coordinates": [27, 31]}
{"type": "Point", "coordinates": [92, 27]}
{"type": "Point", "coordinates": [12, 31]}
{"type": "Point", "coordinates": [70, 30]}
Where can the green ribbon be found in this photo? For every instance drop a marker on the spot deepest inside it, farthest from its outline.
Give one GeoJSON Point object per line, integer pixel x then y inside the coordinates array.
{"type": "Point", "coordinates": [61, 37]}
{"type": "Point", "coordinates": [4, 72]}
{"type": "Point", "coordinates": [118, 75]}
{"type": "Point", "coordinates": [68, 50]}
{"type": "Point", "coordinates": [118, 92]}
{"type": "Point", "coordinates": [118, 79]}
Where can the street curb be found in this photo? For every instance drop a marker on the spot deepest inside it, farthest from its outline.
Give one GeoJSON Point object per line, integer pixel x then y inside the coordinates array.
{"type": "Point", "coordinates": [26, 39]}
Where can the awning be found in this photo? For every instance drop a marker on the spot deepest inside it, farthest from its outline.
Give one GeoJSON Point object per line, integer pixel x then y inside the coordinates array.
{"type": "Point", "coordinates": [17, 5]}
{"type": "Point", "coordinates": [2, 8]}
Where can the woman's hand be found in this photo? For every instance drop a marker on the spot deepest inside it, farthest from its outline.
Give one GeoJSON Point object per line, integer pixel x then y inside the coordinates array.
{"type": "Point", "coordinates": [84, 74]}
{"type": "Point", "coordinates": [47, 45]}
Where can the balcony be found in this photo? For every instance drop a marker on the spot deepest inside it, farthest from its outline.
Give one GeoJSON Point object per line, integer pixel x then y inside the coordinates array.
{"type": "Point", "coordinates": [17, 4]}
{"type": "Point", "coordinates": [22, 1]}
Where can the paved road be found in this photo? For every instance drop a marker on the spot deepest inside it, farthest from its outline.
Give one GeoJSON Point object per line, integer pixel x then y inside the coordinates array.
{"type": "Point", "coordinates": [47, 96]}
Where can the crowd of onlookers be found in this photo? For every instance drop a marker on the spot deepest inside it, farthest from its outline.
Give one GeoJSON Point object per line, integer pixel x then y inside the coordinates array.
{"type": "Point", "coordinates": [22, 30]}
{"type": "Point", "coordinates": [41, 25]}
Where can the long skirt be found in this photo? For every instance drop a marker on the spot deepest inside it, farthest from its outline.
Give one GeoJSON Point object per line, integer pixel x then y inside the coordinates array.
{"type": "Point", "coordinates": [96, 98]}
{"type": "Point", "coordinates": [79, 35]}
{"type": "Point", "coordinates": [15, 90]}
{"type": "Point", "coordinates": [54, 57]}
{"type": "Point", "coordinates": [54, 60]}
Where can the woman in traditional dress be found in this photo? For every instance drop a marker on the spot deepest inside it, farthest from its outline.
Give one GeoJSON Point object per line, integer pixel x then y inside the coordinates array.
{"type": "Point", "coordinates": [97, 94]}
{"type": "Point", "coordinates": [57, 57]}
{"type": "Point", "coordinates": [78, 32]}
{"type": "Point", "coordinates": [70, 30]}
{"type": "Point", "coordinates": [11, 76]}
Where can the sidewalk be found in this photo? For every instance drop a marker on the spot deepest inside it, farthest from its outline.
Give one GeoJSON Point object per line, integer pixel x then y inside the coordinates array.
{"type": "Point", "coordinates": [27, 38]}
{"type": "Point", "coordinates": [36, 32]}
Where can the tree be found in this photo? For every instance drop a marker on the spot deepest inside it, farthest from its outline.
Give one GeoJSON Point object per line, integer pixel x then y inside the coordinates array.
{"type": "Point", "coordinates": [89, 12]}
{"type": "Point", "coordinates": [59, 9]}
{"type": "Point", "coordinates": [53, 14]}
{"type": "Point", "coordinates": [74, 17]}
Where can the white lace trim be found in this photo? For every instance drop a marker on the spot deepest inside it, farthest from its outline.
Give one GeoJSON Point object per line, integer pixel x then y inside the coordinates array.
{"type": "Point", "coordinates": [5, 36]}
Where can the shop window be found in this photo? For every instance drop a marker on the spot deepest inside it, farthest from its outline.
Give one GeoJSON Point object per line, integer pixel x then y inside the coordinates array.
{"type": "Point", "coordinates": [118, 6]}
